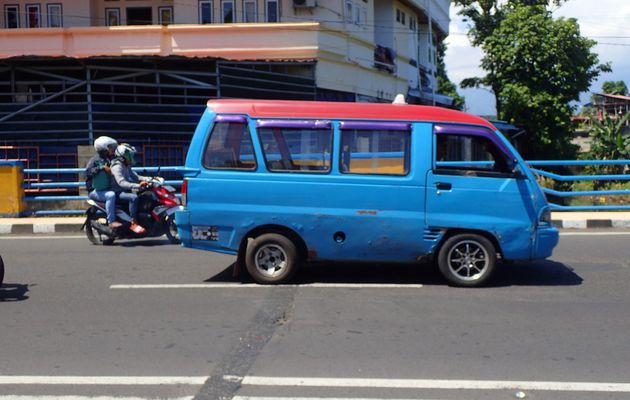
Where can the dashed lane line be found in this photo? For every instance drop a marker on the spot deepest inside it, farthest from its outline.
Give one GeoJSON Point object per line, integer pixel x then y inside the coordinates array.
{"type": "Point", "coordinates": [431, 384]}
{"type": "Point", "coordinates": [101, 380]}
{"type": "Point", "coordinates": [316, 398]}
{"type": "Point", "coordinates": [89, 398]}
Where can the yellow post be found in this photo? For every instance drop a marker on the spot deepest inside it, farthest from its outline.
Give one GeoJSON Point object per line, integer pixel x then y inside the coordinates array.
{"type": "Point", "coordinates": [11, 190]}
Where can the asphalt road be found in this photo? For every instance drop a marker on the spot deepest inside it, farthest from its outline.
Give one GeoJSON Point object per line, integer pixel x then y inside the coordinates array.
{"type": "Point", "coordinates": [78, 320]}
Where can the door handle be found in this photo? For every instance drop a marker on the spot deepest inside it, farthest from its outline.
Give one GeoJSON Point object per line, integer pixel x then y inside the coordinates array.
{"type": "Point", "coordinates": [443, 186]}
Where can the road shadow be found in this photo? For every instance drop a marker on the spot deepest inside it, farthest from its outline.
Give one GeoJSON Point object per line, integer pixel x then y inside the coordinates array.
{"type": "Point", "coordinates": [13, 292]}
{"type": "Point", "coordinates": [229, 276]}
{"type": "Point", "coordinates": [151, 242]}
{"type": "Point", "coordinates": [537, 273]}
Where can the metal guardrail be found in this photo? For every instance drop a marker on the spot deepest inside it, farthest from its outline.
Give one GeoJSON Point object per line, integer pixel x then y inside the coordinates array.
{"type": "Point", "coordinates": [573, 178]}
{"type": "Point", "coordinates": [535, 163]}
{"type": "Point", "coordinates": [78, 184]}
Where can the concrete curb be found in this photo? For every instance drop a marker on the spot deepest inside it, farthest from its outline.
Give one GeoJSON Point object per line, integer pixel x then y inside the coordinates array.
{"type": "Point", "coordinates": [591, 223]}
{"type": "Point", "coordinates": [39, 227]}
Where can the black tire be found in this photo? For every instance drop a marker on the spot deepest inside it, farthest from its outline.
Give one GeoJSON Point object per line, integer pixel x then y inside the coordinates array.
{"type": "Point", "coordinates": [1, 270]}
{"type": "Point", "coordinates": [467, 260]}
{"type": "Point", "coordinates": [271, 259]}
{"type": "Point", "coordinates": [170, 228]}
{"type": "Point", "coordinates": [94, 235]}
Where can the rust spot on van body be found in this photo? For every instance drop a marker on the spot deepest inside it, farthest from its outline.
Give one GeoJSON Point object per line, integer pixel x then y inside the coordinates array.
{"type": "Point", "coordinates": [367, 212]}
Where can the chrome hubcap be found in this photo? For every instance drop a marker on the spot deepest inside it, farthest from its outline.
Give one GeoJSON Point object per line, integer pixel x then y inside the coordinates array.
{"type": "Point", "coordinates": [271, 260]}
{"type": "Point", "coordinates": [468, 260]}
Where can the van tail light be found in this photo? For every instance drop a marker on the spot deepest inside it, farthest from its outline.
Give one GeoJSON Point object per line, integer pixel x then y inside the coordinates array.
{"type": "Point", "coordinates": [185, 192]}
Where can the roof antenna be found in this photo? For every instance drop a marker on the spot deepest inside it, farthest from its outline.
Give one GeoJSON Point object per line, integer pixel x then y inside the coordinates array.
{"type": "Point", "coordinates": [399, 99]}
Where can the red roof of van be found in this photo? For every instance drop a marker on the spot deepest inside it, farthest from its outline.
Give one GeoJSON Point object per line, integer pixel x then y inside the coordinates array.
{"type": "Point", "coordinates": [338, 110]}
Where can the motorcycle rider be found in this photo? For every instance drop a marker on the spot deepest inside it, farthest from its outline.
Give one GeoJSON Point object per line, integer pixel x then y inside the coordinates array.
{"type": "Point", "coordinates": [125, 181]}
{"type": "Point", "coordinates": [98, 173]}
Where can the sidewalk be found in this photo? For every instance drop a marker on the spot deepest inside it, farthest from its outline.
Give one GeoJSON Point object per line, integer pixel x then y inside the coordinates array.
{"type": "Point", "coordinates": [564, 220]}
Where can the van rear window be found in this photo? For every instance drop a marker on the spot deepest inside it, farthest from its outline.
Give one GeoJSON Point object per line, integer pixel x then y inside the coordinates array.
{"type": "Point", "coordinates": [375, 148]}
{"type": "Point", "coordinates": [296, 146]}
{"type": "Point", "coordinates": [230, 145]}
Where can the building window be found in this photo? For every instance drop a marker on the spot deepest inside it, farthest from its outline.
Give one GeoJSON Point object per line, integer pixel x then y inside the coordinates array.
{"type": "Point", "coordinates": [227, 11]}
{"type": "Point", "coordinates": [357, 14]}
{"type": "Point", "coordinates": [33, 16]}
{"type": "Point", "coordinates": [55, 15]}
{"type": "Point", "coordinates": [401, 16]}
{"type": "Point", "coordinates": [349, 9]}
{"type": "Point", "coordinates": [272, 11]}
{"type": "Point", "coordinates": [205, 12]}
{"type": "Point", "coordinates": [364, 16]}
{"type": "Point", "coordinates": [12, 16]}
{"type": "Point", "coordinates": [249, 11]}
{"type": "Point", "coordinates": [139, 15]}
{"type": "Point", "coordinates": [112, 16]}
{"type": "Point", "coordinates": [165, 15]}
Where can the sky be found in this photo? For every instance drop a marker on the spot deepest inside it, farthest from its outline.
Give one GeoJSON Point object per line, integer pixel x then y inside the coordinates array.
{"type": "Point", "coordinates": [606, 21]}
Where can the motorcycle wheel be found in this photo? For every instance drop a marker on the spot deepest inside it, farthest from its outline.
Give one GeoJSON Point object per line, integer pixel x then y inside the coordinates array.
{"type": "Point", "coordinates": [95, 236]}
{"type": "Point", "coordinates": [171, 230]}
{"type": "Point", "coordinates": [1, 270]}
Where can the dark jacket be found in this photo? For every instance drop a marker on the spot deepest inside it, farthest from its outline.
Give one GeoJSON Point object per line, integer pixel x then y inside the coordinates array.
{"type": "Point", "coordinates": [97, 177]}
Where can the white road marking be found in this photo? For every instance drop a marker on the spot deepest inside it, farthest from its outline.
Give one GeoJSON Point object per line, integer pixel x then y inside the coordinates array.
{"type": "Point", "coordinates": [432, 384]}
{"type": "Point", "coordinates": [88, 398]}
{"type": "Point", "coordinates": [101, 380]}
{"type": "Point", "coordinates": [254, 285]}
{"type": "Point", "coordinates": [312, 398]}
{"type": "Point", "coordinates": [41, 237]}
{"type": "Point", "coordinates": [594, 233]}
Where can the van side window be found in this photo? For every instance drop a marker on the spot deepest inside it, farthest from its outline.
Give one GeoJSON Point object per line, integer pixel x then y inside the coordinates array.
{"type": "Point", "coordinates": [469, 154]}
{"type": "Point", "coordinates": [296, 146]}
{"type": "Point", "coordinates": [375, 148]}
{"type": "Point", "coordinates": [230, 145]}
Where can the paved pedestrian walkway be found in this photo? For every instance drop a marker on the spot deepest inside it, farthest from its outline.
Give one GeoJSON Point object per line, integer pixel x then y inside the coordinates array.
{"type": "Point", "coordinates": [564, 220]}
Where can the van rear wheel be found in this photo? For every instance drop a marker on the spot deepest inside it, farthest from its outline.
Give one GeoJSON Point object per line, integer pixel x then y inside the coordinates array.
{"type": "Point", "coordinates": [467, 260]}
{"type": "Point", "coordinates": [271, 259]}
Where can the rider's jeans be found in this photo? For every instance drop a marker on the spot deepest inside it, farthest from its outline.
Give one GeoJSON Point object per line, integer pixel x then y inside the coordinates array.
{"type": "Point", "coordinates": [133, 199]}
{"type": "Point", "coordinates": [109, 197]}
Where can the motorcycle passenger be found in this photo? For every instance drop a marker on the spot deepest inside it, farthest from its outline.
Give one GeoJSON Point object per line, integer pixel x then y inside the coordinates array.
{"type": "Point", "coordinates": [125, 181]}
{"type": "Point", "coordinates": [98, 173]}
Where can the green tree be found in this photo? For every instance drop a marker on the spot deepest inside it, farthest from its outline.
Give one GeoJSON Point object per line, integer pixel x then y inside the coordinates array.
{"type": "Point", "coordinates": [536, 66]}
{"type": "Point", "coordinates": [608, 143]}
{"type": "Point", "coordinates": [445, 86]}
{"type": "Point", "coordinates": [615, 87]}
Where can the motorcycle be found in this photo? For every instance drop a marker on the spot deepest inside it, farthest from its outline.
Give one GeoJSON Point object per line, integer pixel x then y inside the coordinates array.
{"type": "Point", "coordinates": [156, 213]}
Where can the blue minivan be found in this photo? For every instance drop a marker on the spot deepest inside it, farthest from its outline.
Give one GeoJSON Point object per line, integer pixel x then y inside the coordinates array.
{"type": "Point", "coordinates": [281, 183]}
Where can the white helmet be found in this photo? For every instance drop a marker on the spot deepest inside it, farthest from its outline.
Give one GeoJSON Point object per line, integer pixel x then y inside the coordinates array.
{"type": "Point", "coordinates": [104, 143]}
{"type": "Point", "coordinates": [127, 152]}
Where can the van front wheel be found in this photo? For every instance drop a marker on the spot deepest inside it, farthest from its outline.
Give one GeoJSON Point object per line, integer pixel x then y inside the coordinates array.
{"type": "Point", "coordinates": [271, 259]}
{"type": "Point", "coordinates": [467, 259]}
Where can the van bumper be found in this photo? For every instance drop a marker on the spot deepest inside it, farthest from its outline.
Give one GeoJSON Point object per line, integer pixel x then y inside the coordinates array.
{"type": "Point", "coordinates": [547, 238]}
{"type": "Point", "coordinates": [182, 219]}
